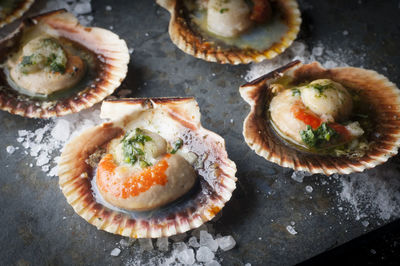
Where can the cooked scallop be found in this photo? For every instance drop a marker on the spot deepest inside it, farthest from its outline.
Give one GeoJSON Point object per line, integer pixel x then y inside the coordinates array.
{"type": "Point", "coordinates": [53, 66]}
{"type": "Point", "coordinates": [327, 98]}
{"type": "Point", "coordinates": [151, 171]}
{"type": "Point", "coordinates": [228, 18]}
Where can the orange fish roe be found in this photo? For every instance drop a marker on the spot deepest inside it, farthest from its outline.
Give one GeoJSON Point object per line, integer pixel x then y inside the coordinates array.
{"type": "Point", "coordinates": [131, 186]}
{"type": "Point", "coordinates": [309, 118]}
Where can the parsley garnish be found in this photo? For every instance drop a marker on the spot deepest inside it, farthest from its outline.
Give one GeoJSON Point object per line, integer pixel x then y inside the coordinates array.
{"type": "Point", "coordinates": [133, 145]}
{"type": "Point", "coordinates": [315, 138]}
{"type": "Point", "coordinates": [223, 10]}
{"type": "Point", "coordinates": [296, 92]}
{"type": "Point", "coordinates": [177, 145]}
{"type": "Point", "coordinates": [321, 88]}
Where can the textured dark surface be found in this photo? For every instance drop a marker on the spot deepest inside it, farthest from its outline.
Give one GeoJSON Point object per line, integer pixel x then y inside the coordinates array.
{"type": "Point", "coordinates": [33, 228]}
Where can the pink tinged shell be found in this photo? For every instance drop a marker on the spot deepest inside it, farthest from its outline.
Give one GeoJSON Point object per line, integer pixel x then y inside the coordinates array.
{"type": "Point", "coordinates": [22, 7]}
{"type": "Point", "coordinates": [106, 45]}
{"type": "Point", "coordinates": [182, 115]}
{"type": "Point", "coordinates": [198, 46]}
{"type": "Point", "coordinates": [378, 91]}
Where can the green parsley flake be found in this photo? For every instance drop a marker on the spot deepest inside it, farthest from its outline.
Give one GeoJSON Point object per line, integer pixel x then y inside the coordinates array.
{"type": "Point", "coordinates": [133, 145]}
{"type": "Point", "coordinates": [315, 138]}
{"type": "Point", "coordinates": [177, 145]}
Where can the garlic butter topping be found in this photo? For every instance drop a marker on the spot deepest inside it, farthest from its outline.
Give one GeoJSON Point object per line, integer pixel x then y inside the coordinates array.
{"type": "Point", "coordinates": [43, 66]}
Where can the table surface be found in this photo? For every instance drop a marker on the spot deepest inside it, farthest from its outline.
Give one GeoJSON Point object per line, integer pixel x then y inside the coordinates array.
{"type": "Point", "coordinates": [266, 200]}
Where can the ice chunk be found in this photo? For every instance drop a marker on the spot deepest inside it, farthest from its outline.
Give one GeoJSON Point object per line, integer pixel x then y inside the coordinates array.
{"type": "Point", "coordinates": [193, 242]}
{"type": "Point", "coordinates": [108, 8]}
{"type": "Point", "coordinates": [146, 244]}
{"type": "Point", "coordinates": [61, 130]}
{"type": "Point", "coordinates": [186, 256]}
{"type": "Point", "coordinates": [10, 149]}
{"type": "Point", "coordinates": [207, 240]}
{"type": "Point", "coordinates": [299, 175]}
{"type": "Point", "coordinates": [115, 252]}
{"type": "Point", "coordinates": [162, 243]}
{"type": "Point", "coordinates": [291, 230]}
{"type": "Point", "coordinates": [213, 263]}
{"type": "Point", "coordinates": [226, 243]}
{"type": "Point", "coordinates": [204, 254]}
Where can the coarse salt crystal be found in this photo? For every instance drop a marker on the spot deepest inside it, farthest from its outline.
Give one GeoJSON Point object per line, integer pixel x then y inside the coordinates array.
{"type": "Point", "coordinates": [291, 230]}
{"type": "Point", "coordinates": [193, 242]}
{"type": "Point", "coordinates": [186, 256]}
{"type": "Point", "coordinates": [108, 8]}
{"type": "Point", "coordinates": [10, 149]}
{"type": "Point", "coordinates": [204, 254]}
{"type": "Point", "coordinates": [309, 189]}
{"type": "Point", "coordinates": [206, 239]}
{"type": "Point", "coordinates": [226, 243]}
{"type": "Point", "coordinates": [115, 252]}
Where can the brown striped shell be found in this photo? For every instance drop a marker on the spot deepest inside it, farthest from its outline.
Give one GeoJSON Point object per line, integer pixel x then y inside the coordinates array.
{"type": "Point", "coordinates": [170, 117]}
{"type": "Point", "coordinates": [21, 6]}
{"type": "Point", "coordinates": [382, 95]}
{"type": "Point", "coordinates": [110, 52]}
{"type": "Point", "coordinates": [185, 35]}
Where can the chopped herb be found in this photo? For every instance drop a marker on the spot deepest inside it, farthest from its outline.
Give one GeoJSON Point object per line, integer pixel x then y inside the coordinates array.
{"type": "Point", "coordinates": [223, 10]}
{"type": "Point", "coordinates": [26, 60]}
{"type": "Point", "coordinates": [296, 92]}
{"type": "Point", "coordinates": [48, 54]}
{"type": "Point", "coordinates": [133, 146]}
{"type": "Point", "coordinates": [177, 145]}
{"type": "Point", "coordinates": [314, 138]}
{"type": "Point", "coordinates": [321, 88]}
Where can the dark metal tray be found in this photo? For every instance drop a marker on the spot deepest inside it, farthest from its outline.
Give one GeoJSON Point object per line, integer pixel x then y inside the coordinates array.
{"type": "Point", "coordinates": [38, 227]}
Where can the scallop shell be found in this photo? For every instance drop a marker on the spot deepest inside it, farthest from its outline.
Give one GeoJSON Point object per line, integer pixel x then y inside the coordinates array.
{"type": "Point", "coordinates": [170, 116]}
{"type": "Point", "coordinates": [378, 91]}
{"type": "Point", "coordinates": [111, 53]}
{"type": "Point", "coordinates": [21, 7]}
{"type": "Point", "coordinates": [188, 40]}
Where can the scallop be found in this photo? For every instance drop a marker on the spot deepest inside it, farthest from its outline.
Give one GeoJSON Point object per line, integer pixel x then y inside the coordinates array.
{"type": "Point", "coordinates": [354, 102]}
{"type": "Point", "coordinates": [151, 171]}
{"type": "Point", "coordinates": [233, 32]}
{"type": "Point", "coordinates": [53, 66]}
{"type": "Point", "coordinates": [12, 10]}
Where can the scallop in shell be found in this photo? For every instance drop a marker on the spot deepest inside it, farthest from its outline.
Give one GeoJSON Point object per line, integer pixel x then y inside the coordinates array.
{"type": "Point", "coordinates": [166, 119]}
{"type": "Point", "coordinates": [378, 113]}
{"type": "Point", "coordinates": [53, 66]}
{"type": "Point", "coordinates": [12, 10]}
{"type": "Point", "coordinates": [228, 32]}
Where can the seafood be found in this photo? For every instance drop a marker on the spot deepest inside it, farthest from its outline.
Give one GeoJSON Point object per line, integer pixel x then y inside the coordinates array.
{"type": "Point", "coordinates": [233, 32]}
{"type": "Point", "coordinates": [151, 171]}
{"type": "Point", "coordinates": [54, 66]}
{"type": "Point", "coordinates": [308, 118]}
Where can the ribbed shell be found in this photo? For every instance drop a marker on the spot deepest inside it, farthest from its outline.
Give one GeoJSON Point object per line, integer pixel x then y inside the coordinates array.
{"type": "Point", "coordinates": [114, 59]}
{"type": "Point", "coordinates": [199, 46]}
{"type": "Point", "coordinates": [379, 92]}
{"type": "Point", "coordinates": [181, 115]}
{"type": "Point", "coordinates": [20, 9]}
